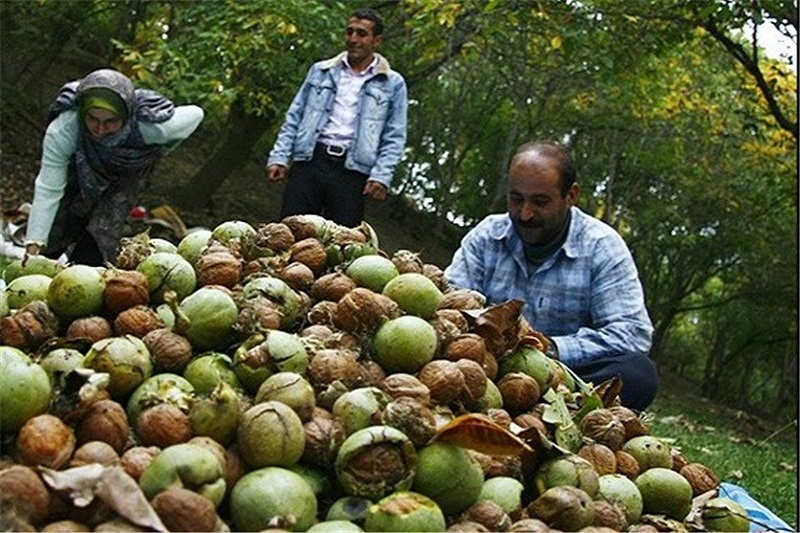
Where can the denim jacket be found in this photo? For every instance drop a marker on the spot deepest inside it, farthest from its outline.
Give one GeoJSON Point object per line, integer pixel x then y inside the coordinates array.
{"type": "Point", "coordinates": [380, 135]}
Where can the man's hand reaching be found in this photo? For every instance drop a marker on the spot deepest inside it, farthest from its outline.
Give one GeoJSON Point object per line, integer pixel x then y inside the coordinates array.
{"type": "Point", "coordinates": [375, 190]}
{"type": "Point", "coordinates": [277, 172]}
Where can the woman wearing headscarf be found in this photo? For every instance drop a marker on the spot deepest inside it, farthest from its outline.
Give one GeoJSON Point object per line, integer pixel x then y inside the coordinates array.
{"type": "Point", "coordinates": [102, 142]}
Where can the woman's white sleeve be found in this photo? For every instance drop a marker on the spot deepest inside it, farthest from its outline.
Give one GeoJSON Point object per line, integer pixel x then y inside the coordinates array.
{"type": "Point", "coordinates": [171, 132]}
{"type": "Point", "coordinates": [60, 142]}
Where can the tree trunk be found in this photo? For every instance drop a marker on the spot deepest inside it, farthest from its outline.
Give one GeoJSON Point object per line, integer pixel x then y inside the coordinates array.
{"type": "Point", "coordinates": [242, 131]}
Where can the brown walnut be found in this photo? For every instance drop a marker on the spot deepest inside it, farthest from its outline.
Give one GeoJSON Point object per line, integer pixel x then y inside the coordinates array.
{"type": "Point", "coordinates": [45, 440]}
{"type": "Point", "coordinates": [701, 478]}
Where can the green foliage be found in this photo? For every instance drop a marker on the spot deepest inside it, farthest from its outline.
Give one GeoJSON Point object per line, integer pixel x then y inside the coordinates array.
{"type": "Point", "coordinates": [220, 52]}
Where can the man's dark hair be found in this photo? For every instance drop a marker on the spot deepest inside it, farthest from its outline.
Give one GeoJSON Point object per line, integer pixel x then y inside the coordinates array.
{"type": "Point", "coordinates": [370, 14]}
{"type": "Point", "coordinates": [566, 165]}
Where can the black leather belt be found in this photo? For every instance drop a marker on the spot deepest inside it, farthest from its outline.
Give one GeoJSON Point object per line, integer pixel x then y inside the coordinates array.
{"type": "Point", "coordinates": [330, 150]}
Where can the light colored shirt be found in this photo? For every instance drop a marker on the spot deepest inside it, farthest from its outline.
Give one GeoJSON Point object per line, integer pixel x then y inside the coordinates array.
{"type": "Point", "coordinates": [341, 126]}
{"type": "Point", "coordinates": [61, 142]}
{"type": "Point", "coordinates": [587, 296]}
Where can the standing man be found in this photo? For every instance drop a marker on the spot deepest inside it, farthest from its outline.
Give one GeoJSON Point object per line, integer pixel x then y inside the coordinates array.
{"type": "Point", "coordinates": [345, 130]}
{"type": "Point", "coordinates": [575, 274]}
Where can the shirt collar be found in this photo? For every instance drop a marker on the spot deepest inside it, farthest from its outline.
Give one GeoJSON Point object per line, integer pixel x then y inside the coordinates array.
{"type": "Point", "coordinates": [369, 70]}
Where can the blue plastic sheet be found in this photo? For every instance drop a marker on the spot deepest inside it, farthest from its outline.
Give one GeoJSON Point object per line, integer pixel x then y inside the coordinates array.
{"type": "Point", "coordinates": [761, 518]}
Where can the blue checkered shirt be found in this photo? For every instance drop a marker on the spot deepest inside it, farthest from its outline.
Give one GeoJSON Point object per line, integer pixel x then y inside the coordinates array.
{"type": "Point", "coordinates": [587, 296]}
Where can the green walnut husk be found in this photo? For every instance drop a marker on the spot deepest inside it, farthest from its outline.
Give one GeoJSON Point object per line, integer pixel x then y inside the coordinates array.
{"type": "Point", "coordinates": [25, 389]}
{"type": "Point", "coordinates": [270, 434]}
{"type": "Point", "coordinates": [160, 388]}
{"type": "Point", "coordinates": [376, 461]}
{"type": "Point", "coordinates": [188, 466]}
{"type": "Point", "coordinates": [504, 491]}
{"type": "Point", "coordinates": [405, 511]}
{"type": "Point", "coordinates": [666, 492]}
{"type": "Point", "coordinates": [125, 359]}
{"type": "Point", "coordinates": [76, 291]}
{"type": "Point", "coordinates": [448, 475]}
{"type": "Point", "coordinates": [724, 514]}
{"type": "Point", "coordinates": [272, 497]}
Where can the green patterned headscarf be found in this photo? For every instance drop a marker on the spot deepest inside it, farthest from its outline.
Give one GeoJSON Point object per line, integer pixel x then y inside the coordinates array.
{"type": "Point", "coordinates": [103, 98]}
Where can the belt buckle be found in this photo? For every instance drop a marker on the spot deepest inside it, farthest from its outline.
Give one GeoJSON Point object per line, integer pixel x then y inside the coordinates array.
{"type": "Point", "coordinates": [334, 151]}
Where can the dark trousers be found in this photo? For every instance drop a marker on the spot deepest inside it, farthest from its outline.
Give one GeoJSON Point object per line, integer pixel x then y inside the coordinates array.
{"type": "Point", "coordinates": [84, 249]}
{"type": "Point", "coordinates": [322, 186]}
{"type": "Point", "coordinates": [638, 374]}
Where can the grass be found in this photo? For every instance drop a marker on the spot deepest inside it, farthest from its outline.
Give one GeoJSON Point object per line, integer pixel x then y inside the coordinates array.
{"type": "Point", "coordinates": [735, 446]}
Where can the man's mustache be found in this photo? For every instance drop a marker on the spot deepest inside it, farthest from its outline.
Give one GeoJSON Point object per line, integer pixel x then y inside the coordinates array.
{"type": "Point", "coordinates": [529, 224]}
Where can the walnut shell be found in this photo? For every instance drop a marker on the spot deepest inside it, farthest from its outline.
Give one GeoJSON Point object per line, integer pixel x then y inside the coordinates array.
{"type": "Point", "coordinates": [627, 465]}
{"type": "Point", "coordinates": [475, 381]}
{"type": "Point", "coordinates": [297, 276]}
{"type": "Point", "coordinates": [466, 346]}
{"type": "Point", "coordinates": [603, 426]}
{"type": "Point", "coordinates": [262, 265]}
{"type": "Point", "coordinates": [45, 440]}
{"type": "Point", "coordinates": [170, 351]}
{"type": "Point", "coordinates": [402, 385]}
{"type": "Point", "coordinates": [436, 275]}
{"type": "Point", "coordinates": [372, 374]}
{"type": "Point", "coordinates": [332, 286]}
{"type": "Point", "coordinates": [412, 417]}
{"type": "Point", "coordinates": [678, 459]}
{"type": "Point", "coordinates": [311, 252]}
{"type": "Point", "coordinates": [330, 365]}
{"type": "Point", "coordinates": [490, 366]}
{"type": "Point", "coordinates": [701, 478]}
{"type": "Point", "coordinates": [487, 513]}
{"type": "Point", "coordinates": [107, 421]}
{"type": "Point", "coordinates": [443, 378]}
{"type": "Point", "coordinates": [407, 261]}
{"type": "Point", "coordinates": [634, 425]}
{"type": "Point", "coordinates": [601, 456]}
{"type": "Point", "coordinates": [321, 313]}
{"type": "Point", "coordinates": [531, 419]}
{"type": "Point", "coordinates": [455, 317]}
{"type": "Point", "coordinates": [529, 525]}
{"type": "Point", "coordinates": [324, 435]}
{"type": "Point", "coordinates": [519, 391]}
{"type": "Point", "coordinates": [275, 236]}
{"type": "Point", "coordinates": [125, 289]}
{"type": "Point", "coordinates": [316, 332]}
{"type": "Point", "coordinates": [22, 490]}
{"type": "Point", "coordinates": [462, 299]}
{"type": "Point", "coordinates": [466, 526]}
{"type": "Point", "coordinates": [609, 515]}
{"type": "Point", "coordinates": [362, 311]}
{"type": "Point", "coordinates": [258, 314]}
{"type": "Point", "coordinates": [499, 416]}
{"type": "Point", "coordinates": [185, 510]}
{"type": "Point", "coordinates": [134, 460]}
{"type": "Point", "coordinates": [95, 451]}
{"type": "Point", "coordinates": [217, 265]}
{"type": "Point", "coordinates": [138, 321]}
{"type": "Point", "coordinates": [163, 425]}
{"type": "Point", "coordinates": [28, 328]}
{"type": "Point", "coordinates": [494, 466]}
{"type": "Point", "coordinates": [93, 328]}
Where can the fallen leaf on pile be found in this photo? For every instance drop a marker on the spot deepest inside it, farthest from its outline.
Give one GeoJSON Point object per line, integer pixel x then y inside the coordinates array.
{"type": "Point", "coordinates": [112, 485]}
